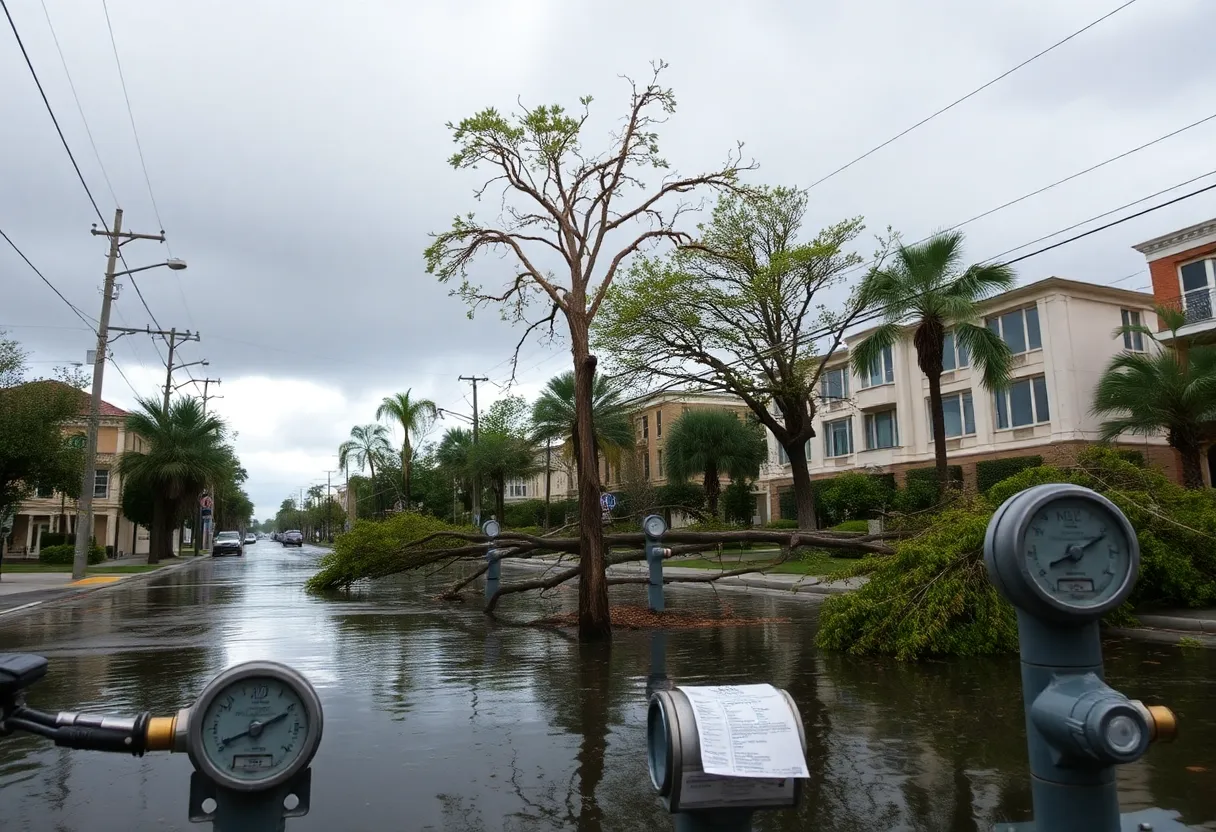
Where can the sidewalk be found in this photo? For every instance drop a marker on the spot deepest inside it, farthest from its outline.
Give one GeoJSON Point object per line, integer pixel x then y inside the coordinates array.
{"type": "Point", "coordinates": [26, 590]}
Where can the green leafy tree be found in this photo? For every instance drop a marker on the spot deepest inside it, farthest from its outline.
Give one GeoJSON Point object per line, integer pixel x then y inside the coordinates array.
{"type": "Point", "coordinates": [712, 442]}
{"type": "Point", "coordinates": [367, 446]}
{"type": "Point", "coordinates": [184, 452]}
{"type": "Point", "coordinates": [745, 302]}
{"type": "Point", "coordinates": [926, 288]}
{"type": "Point", "coordinates": [1166, 390]}
{"type": "Point", "coordinates": [504, 449]}
{"type": "Point", "coordinates": [452, 458]}
{"type": "Point", "coordinates": [568, 205]}
{"type": "Point", "coordinates": [414, 417]}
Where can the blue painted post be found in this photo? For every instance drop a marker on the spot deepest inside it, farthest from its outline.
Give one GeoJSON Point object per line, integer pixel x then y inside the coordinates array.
{"type": "Point", "coordinates": [490, 529]}
{"type": "Point", "coordinates": [654, 526]}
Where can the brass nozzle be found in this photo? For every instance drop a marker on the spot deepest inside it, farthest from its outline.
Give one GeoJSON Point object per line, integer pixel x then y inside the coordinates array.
{"type": "Point", "coordinates": [161, 730]}
{"type": "Point", "coordinates": [1164, 723]}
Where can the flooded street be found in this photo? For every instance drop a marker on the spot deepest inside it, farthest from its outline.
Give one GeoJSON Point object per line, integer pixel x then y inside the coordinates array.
{"type": "Point", "coordinates": [436, 719]}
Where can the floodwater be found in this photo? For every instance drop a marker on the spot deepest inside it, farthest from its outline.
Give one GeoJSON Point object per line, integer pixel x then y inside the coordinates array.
{"type": "Point", "coordinates": [436, 719]}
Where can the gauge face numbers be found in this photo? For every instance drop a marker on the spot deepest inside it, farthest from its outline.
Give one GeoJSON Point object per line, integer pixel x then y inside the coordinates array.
{"type": "Point", "coordinates": [254, 728]}
{"type": "Point", "coordinates": [655, 526]}
{"type": "Point", "coordinates": [1076, 551]}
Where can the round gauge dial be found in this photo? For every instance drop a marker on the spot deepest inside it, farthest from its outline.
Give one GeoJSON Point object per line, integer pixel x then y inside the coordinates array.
{"type": "Point", "coordinates": [491, 528]}
{"type": "Point", "coordinates": [1077, 551]}
{"type": "Point", "coordinates": [255, 726]}
{"type": "Point", "coordinates": [654, 525]}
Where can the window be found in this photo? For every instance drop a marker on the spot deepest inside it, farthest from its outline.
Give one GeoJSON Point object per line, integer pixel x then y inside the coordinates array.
{"type": "Point", "coordinates": [954, 355]}
{"type": "Point", "coordinates": [645, 427]}
{"type": "Point", "coordinates": [838, 438]}
{"type": "Point", "coordinates": [44, 492]}
{"type": "Point", "coordinates": [646, 464]}
{"type": "Point", "coordinates": [881, 430]}
{"type": "Point", "coordinates": [658, 423]}
{"type": "Point", "coordinates": [1019, 329]}
{"type": "Point", "coordinates": [659, 461]}
{"type": "Point", "coordinates": [101, 485]}
{"type": "Point", "coordinates": [784, 458]}
{"type": "Point", "coordinates": [958, 413]}
{"type": "Point", "coordinates": [1024, 403]}
{"type": "Point", "coordinates": [1133, 341]}
{"type": "Point", "coordinates": [834, 384]}
{"type": "Point", "coordinates": [1197, 281]}
{"type": "Point", "coordinates": [882, 371]}
{"type": "Point", "coordinates": [516, 488]}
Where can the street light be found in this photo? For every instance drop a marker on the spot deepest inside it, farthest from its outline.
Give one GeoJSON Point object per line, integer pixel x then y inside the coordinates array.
{"type": "Point", "coordinates": [174, 263]}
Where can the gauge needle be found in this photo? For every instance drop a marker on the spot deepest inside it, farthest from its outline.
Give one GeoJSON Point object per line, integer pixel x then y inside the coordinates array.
{"type": "Point", "coordinates": [1074, 552]}
{"type": "Point", "coordinates": [255, 728]}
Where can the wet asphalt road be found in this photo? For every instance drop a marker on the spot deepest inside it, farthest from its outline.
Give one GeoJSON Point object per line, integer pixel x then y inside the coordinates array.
{"type": "Point", "coordinates": [436, 719]}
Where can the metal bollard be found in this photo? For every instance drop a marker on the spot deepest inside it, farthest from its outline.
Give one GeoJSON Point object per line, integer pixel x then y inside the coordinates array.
{"type": "Point", "coordinates": [490, 529]}
{"type": "Point", "coordinates": [655, 527]}
{"type": "Point", "coordinates": [1064, 556]}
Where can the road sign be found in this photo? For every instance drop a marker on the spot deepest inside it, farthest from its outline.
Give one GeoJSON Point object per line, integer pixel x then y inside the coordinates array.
{"type": "Point", "coordinates": [607, 502]}
{"type": "Point", "coordinates": [206, 502]}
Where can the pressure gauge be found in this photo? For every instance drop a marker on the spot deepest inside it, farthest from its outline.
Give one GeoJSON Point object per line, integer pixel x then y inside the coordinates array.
{"type": "Point", "coordinates": [1062, 551]}
{"type": "Point", "coordinates": [491, 528]}
{"type": "Point", "coordinates": [254, 726]}
{"type": "Point", "coordinates": [654, 526]}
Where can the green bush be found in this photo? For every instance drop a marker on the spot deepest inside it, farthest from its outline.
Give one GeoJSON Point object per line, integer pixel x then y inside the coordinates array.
{"type": "Point", "coordinates": [991, 471]}
{"type": "Point", "coordinates": [377, 548]}
{"type": "Point", "coordinates": [929, 475]}
{"type": "Point", "coordinates": [782, 523]}
{"type": "Point", "coordinates": [532, 513]}
{"type": "Point", "coordinates": [64, 554]}
{"type": "Point", "coordinates": [682, 495]}
{"type": "Point", "coordinates": [738, 503]}
{"type": "Point", "coordinates": [851, 496]}
{"type": "Point", "coordinates": [852, 526]}
{"type": "Point", "coordinates": [57, 539]}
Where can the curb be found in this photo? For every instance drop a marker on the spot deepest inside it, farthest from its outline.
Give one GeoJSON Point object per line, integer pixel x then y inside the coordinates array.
{"type": "Point", "coordinates": [71, 594]}
{"type": "Point", "coordinates": [1161, 636]}
{"type": "Point", "coordinates": [1171, 622]}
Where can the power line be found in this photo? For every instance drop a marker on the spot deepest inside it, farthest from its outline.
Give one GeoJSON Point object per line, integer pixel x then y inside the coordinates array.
{"type": "Point", "coordinates": [975, 91]}
{"type": "Point", "coordinates": [114, 363]}
{"type": "Point", "coordinates": [91, 324]}
{"type": "Point", "coordinates": [79, 108]}
{"type": "Point", "coordinates": [51, 112]}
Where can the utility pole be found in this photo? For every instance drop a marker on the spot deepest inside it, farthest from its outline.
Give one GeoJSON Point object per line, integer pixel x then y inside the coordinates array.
{"type": "Point", "coordinates": [84, 520]}
{"type": "Point", "coordinates": [173, 339]}
{"type": "Point", "coordinates": [329, 507]}
{"type": "Point", "coordinates": [548, 478]}
{"type": "Point", "coordinates": [476, 477]}
{"type": "Point", "coordinates": [198, 510]}
{"type": "Point", "coordinates": [207, 382]}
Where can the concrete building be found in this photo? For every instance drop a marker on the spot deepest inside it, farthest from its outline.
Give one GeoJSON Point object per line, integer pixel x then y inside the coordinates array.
{"type": "Point", "coordinates": [555, 465]}
{"type": "Point", "coordinates": [1062, 335]}
{"type": "Point", "coordinates": [47, 512]}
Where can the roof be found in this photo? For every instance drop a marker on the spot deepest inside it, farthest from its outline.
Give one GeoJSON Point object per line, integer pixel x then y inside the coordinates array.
{"type": "Point", "coordinates": [106, 408]}
{"type": "Point", "coordinates": [683, 394]}
{"type": "Point", "coordinates": [1181, 235]}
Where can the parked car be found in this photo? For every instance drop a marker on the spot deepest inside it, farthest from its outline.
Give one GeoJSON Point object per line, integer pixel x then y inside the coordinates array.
{"type": "Point", "coordinates": [250, 539]}
{"type": "Point", "coordinates": [293, 538]}
{"type": "Point", "coordinates": [227, 543]}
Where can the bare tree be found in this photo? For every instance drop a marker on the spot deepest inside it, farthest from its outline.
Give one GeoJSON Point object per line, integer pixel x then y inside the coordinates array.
{"type": "Point", "coordinates": [559, 208]}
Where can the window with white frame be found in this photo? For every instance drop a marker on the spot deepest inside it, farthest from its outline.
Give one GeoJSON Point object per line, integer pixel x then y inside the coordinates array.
{"type": "Point", "coordinates": [1133, 341]}
{"type": "Point", "coordinates": [838, 438]}
{"type": "Point", "coordinates": [101, 485]}
{"type": "Point", "coordinates": [958, 412]}
{"type": "Point", "coordinates": [1019, 329]}
{"type": "Point", "coordinates": [517, 488]}
{"type": "Point", "coordinates": [645, 427]}
{"type": "Point", "coordinates": [955, 356]}
{"type": "Point", "coordinates": [1197, 278]}
{"type": "Point", "coordinates": [882, 430]}
{"type": "Point", "coordinates": [834, 384]}
{"type": "Point", "coordinates": [784, 458]}
{"type": "Point", "coordinates": [1023, 403]}
{"type": "Point", "coordinates": [882, 369]}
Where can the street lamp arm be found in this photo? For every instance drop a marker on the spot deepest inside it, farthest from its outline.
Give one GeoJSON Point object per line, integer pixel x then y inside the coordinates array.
{"type": "Point", "coordinates": [442, 412]}
{"type": "Point", "coordinates": [175, 264]}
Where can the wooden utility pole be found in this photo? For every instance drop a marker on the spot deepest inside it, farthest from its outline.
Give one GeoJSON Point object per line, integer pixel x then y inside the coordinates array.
{"type": "Point", "coordinates": [476, 476]}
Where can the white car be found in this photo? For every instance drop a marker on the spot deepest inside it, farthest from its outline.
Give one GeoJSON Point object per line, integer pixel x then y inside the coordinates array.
{"type": "Point", "coordinates": [251, 538]}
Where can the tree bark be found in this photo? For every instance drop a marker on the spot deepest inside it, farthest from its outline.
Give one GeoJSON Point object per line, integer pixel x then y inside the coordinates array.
{"type": "Point", "coordinates": [406, 464]}
{"type": "Point", "coordinates": [594, 615]}
{"type": "Point", "coordinates": [162, 522]}
{"type": "Point", "coordinates": [939, 432]}
{"type": "Point", "coordinates": [375, 491]}
{"type": "Point", "coordinates": [804, 492]}
{"type": "Point", "coordinates": [500, 493]}
{"type": "Point", "coordinates": [712, 488]}
{"type": "Point", "coordinates": [1192, 464]}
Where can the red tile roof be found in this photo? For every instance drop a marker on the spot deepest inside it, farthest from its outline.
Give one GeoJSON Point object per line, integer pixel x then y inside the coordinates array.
{"type": "Point", "coordinates": [106, 409]}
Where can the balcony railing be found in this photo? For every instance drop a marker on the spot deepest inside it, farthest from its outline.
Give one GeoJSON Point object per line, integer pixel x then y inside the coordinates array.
{"type": "Point", "coordinates": [1196, 305]}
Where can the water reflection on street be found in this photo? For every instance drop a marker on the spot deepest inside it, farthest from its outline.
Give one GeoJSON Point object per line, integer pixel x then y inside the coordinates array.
{"type": "Point", "coordinates": [436, 719]}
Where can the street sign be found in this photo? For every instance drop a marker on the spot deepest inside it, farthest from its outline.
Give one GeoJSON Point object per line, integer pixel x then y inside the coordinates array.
{"type": "Point", "coordinates": [205, 502]}
{"type": "Point", "coordinates": [607, 501]}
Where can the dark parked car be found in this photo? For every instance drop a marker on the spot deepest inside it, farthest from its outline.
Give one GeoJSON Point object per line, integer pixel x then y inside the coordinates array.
{"type": "Point", "coordinates": [293, 538]}
{"type": "Point", "coordinates": [227, 543]}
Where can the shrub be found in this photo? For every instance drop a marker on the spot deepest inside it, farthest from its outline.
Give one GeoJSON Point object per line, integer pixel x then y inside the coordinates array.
{"type": "Point", "coordinates": [64, 554]}
{"type": "Point", "coordinates": [57, 539]}
{"type": "Point", "coordinates": [852, 526]}
{"type": "Point", "coordinates": [852, 496]}
{"type": "Point", "coordinates": [738, 503]}
{"type": "Point", "coordinates": [991, 471]}
{"type": "Point", "coordinates": [929, 475]}
{"type": "Point", "coordinates": [782, 523]}
{"type": "Point", "coordinates": [377, 548]}
{"type": "Point", "coordinates": [532, 513]}
{"type": "Point", "coordinates": [682, 495]}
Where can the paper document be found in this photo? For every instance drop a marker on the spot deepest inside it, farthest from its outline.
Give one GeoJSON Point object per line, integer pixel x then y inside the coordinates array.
{"type": "Point", "coordinates": [746, 731]}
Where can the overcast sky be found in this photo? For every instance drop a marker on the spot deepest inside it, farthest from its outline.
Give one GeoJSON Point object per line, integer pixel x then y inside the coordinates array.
{"type": "Point", "coordinates": [297, 154]}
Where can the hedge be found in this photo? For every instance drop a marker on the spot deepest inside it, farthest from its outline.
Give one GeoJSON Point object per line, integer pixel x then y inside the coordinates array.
{"type": "Point", "coordinates": [852, 496]}
{"type": "Point", "coordinates": [955, 472]}
{"type": "Point", "coordinates": [991, 471]}
{"type": "Point", "coordinates": [64, 554]}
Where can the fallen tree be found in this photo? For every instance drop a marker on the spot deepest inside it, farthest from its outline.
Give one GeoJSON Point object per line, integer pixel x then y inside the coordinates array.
{"type": "Point", "coordinates": [410, 542]}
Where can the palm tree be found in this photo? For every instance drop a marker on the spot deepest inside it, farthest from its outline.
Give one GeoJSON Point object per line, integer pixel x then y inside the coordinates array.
{"type": "Point", "coordinates": [925, 288]}
{"type": "Point", "coordinates": [711, 442]}
{"type": "Point", "coordinates": [414, 417]}
{"type": "Point", "coordinates": [184, 453]}
{"type": "Point", "coordinates": [1166, 389]}
{"type": "Point", "coordinates": [452, 456]}
{"type": "Point", "coordinates": [366, 445]}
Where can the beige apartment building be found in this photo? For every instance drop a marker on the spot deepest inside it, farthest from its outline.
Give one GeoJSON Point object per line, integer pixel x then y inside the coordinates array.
{"type": "Point", "coordinates": [1062, 335]}
{"type": "Point", "coordinates": [47, 512]}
